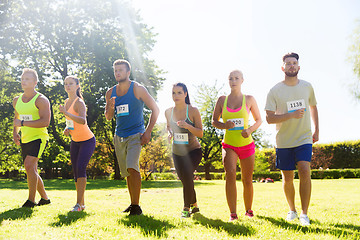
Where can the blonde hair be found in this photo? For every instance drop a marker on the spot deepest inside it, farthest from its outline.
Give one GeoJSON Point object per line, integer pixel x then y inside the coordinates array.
{"type": "Point", "coordinates": [122, 61]}
{"type": "Point", "coordinates": [32, 71]}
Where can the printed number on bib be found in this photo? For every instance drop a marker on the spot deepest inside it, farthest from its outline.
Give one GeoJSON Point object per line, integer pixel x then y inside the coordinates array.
{"type": "Point", "coordinates": [181, 138]}
{"type": "Point", "coordinates": [239, 124]}
{"type": "Point", "coordinates": [26, 117]}
{"type": "Point", "coordinates": [122, 110]}
{"type": "Point", "coordinates": [70, 124]}
{"type": "Point", "coordinates": [296, 105]}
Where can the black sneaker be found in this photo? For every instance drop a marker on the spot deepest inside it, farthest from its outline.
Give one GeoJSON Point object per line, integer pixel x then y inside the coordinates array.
{"type": "Point", "coordinates": [43, 202]}
{"type": "Point", "coordinates": [135, 210]}
{"type": "Point", "coordinates": [29, 204]}
{"type": "Point", "coordinates": [194, 210]}
{"type": "Point", "coordinates": [128, 209]}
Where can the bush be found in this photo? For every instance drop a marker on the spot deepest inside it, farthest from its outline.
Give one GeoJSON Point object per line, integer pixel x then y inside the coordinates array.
{"type": "Point", "coordinates": [341, 155]}
{"type": "Point", "coordinates": [163, 176]}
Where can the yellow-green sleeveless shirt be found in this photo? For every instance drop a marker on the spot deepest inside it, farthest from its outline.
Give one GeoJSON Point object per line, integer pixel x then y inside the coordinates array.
{"type": "Point", "coordinates": [29, 112]}
{"type": "Point", "coordinates": [240, 117]}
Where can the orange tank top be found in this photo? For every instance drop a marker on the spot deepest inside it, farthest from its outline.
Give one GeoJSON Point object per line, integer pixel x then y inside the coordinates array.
{"type": "Point", "coordinates": [79, 132]}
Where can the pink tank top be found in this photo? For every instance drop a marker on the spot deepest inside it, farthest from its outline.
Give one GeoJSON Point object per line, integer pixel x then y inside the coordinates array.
{"type": "Point", "coordinates": [80, 132]}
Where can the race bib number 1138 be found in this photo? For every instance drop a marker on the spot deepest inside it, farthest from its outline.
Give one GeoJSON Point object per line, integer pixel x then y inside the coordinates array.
{"type": "Point", "coordinates": [296, 105]}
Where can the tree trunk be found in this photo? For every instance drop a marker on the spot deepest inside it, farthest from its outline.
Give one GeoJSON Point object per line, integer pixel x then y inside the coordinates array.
{"type": "Point", "coordinates": [207, 171]}
{"type": "Point", "coordinates": [116, 167]}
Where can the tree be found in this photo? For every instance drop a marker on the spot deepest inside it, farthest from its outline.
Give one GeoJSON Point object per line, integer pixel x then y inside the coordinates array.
{"type": "Point", "coordinates": [206, 98]}
{"type": "Point", "coordinates": [154, 156]}
{"type": "Point", "coordinates": [10, 158]}
{"type": "Point", "coordinates": [355, 58]}
{"type": "Point", "coordinates": [83, 37]}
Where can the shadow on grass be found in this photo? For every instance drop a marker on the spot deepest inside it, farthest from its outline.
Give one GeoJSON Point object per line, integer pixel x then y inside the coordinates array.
{"type": "Point", "coordinates": [232, 228]}
{"type": "Point", "coordinates": [68, 219]}
{"type": "Point", "coordinates": [338, 230]}
{"type": "Point", "coordinates": [68, 184]}
{"type": "Point", "coordinates": [149, 225]}
{"type": "Point", "coordinates": [17, 213]}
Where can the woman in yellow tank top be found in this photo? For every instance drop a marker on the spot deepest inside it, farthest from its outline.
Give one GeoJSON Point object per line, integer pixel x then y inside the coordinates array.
{"type": "Point", "coordinates": [82, 139]}
{"type": "Point", "coordinates": [238, 143]}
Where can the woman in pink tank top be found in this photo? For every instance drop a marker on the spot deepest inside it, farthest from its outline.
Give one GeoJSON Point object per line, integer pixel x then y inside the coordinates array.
{"type": "Point", "coordinates": [82, 139]}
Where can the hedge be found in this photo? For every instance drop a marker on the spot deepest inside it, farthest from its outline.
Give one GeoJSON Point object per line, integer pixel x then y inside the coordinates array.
{"type": "Point", "coordinates": [274, 175]}
{"type": "Point", "coordinates": [340, 155]}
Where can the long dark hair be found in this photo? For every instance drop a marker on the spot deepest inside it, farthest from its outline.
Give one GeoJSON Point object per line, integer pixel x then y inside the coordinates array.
{"type": "Point", "coordinates": [179, 84]}
{"type": "Point", "coordinates": [77, 81]}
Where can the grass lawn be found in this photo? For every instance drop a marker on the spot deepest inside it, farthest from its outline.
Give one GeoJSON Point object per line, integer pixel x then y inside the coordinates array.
{"type": "Point", "coordinates": [334, 212]}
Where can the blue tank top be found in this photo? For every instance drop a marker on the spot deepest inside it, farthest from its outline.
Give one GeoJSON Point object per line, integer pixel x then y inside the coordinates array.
{"type": "Point", "coordinates": [129, 113]}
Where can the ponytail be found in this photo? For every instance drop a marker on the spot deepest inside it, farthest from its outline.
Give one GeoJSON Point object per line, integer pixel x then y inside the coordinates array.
{"type": "Point", "coordinates": [77, 81]}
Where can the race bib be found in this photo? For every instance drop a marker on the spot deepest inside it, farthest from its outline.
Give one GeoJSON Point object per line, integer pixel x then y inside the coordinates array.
{"type": "Point", "coordinates": [296, 105]}
{"type": "Point", "coordinates": [181, 138]}
{"type": "Point", "coordinates": [239, 124]}
{"type": "Point", "coordinates": [26, 117]}
{"type": "Point", "coordinates": [70, 124]}
{"type": "Point", "coordinates": [122, 110]}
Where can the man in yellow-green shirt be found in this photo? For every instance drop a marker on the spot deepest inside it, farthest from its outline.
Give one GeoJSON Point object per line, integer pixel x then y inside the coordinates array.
{"type": "Point", "coordinates": [32, 117]}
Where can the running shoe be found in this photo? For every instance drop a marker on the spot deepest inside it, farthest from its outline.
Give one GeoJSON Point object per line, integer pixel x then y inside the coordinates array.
{"type": "Point", "coordinates": [291, 216]}
{"type": "Point", "coordinates": [304, 220]}
{"type": "Point", "coordinates": [194, 209]}
{"type": "Point", "coordinates": [77, 208]}
{"type": "Point", "coordinates": [29, 204]}
{"type": "Point", "coordinates": [233, 217]}
{"type": "Point", "coordinates": [128, 209]}
{"type": "Point", "coordinates": [43, 202]}
{"type": "Point", "coordinates": [249, 213]}
{"type": "Point", "coordinates": [185, 214]}
{"type": "Point", "coordinates": [135, 210]}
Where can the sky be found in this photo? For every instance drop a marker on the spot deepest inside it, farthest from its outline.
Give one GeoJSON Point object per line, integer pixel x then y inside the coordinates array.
{"type": "Point", "coordinates": [202, 41]}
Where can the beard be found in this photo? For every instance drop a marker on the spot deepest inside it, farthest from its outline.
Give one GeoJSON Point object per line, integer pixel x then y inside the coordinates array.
{"type": "Point", "coordinates": [291, 74]}
{"type": "Point", "coordinates": [121, 80]}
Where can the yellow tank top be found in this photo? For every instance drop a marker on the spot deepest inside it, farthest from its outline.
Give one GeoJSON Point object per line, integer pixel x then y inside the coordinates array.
{"type": "Point", "coordinates": [29, 112]}
{"type": "Point", "coordinates": [240, 117]}
{"type": "Point", "coordinates": [79, 132]}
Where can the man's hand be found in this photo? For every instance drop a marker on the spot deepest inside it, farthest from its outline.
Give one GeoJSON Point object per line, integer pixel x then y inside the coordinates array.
{"type": "Point", "coordinates": [16, 138]}
{"type": "Point", "coordinates": [145, 138]}
{"type": "Point", "coordinates": [299, 113]}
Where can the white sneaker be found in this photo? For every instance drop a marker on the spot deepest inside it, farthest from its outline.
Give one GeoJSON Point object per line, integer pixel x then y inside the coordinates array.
{"type": "Point", "coordinates": [291, 216]}
{"type": "Point", "coordinates": [76, 208]}
{"type": "Point", "coordinates": [304, 220]}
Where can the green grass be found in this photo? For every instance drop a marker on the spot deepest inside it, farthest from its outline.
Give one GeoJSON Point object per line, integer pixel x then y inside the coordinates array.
{"type": "Point", "coordinates": [334, 212]}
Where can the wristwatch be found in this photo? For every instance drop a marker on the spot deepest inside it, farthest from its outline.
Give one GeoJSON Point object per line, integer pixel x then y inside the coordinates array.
{"type": "Point", "coordinates": [22, 123]}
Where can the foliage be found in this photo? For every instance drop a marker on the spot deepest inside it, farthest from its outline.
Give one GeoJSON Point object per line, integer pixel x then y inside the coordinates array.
{"type": "Point", "coordinates": [10, 159]}
{"type": "Point", "coordinates": [164, 176]}
{"type": "Point", "coordinates": [354, 58]}
{"type": "Point", "coordinates": [335, 173]}
{"type": "Point", "coordinates": [154, 156]}
{"type": "Point", "coordinates": [206, 98]}
{"type": "Point", "coordinates": [81, 37]}
{"type": "Point", "coordinates": [261, 160]}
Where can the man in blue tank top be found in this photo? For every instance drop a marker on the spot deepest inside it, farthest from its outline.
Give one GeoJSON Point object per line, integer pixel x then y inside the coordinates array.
{"type": "Point", "coordinates": [126, 101]}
